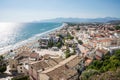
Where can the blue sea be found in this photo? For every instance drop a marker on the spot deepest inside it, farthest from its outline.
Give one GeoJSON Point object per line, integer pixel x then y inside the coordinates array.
{"type": "Point", "coordinates": [15, 34]}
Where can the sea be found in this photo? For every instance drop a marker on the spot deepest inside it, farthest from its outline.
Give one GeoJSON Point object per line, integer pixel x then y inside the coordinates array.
{"type": "Point", "coordinates": [13, 35]}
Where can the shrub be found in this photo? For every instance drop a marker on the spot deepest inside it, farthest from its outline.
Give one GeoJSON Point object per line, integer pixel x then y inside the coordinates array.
{"type": "Point", "coordinates": [21, 78]}
{"type": "Point", "coordinates": [117, 27]}
{"type": "Point", "coordinates": [3, 66]}
{"type": "Point", "coordinates": [67, 53]}
{"type": "Point", "coordinates": [80, 42]}
{"type": "Point", "coordinates": [59, 44]}
{"type": "Point", "coordinates": [108, 63]}
{"type": "Point", "coordinates": [50, 44]}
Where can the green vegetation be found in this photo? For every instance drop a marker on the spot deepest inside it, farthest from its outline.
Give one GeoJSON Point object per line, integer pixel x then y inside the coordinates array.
{"type": "Point", "coordinates": [109, 75]}
{"type": "Point", "coordinates": [67, 53]}
{"type": "Point", "coordinates": [80, 42]}
{"type": "Point", "coordinates": [21, 78]}
{"type": "Point", "coordinates": [50, 44]}
{"type": "Point", "coordinates": [78, 28]}
{"type": "Point", "coordinates": [109, 63]}
{"type": "Point", "coordinates": [59, 44]}
{"type": "Point", "coordinates": [117, 27]}
{"type": "Point", "coordinates": [3, 66]}
{"type": "Point", "coordinates": [88, 73]}
{"type": "Point", "coordinates": [1, 58]}
{"type": "Point", "coordinates": [60, 36]}
{"type": "Point", "coordinates": [70, 37]}
{"type": "Point", "coordinates": [74, 52]}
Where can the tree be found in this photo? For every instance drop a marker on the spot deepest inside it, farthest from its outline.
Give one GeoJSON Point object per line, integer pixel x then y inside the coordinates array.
{"type": "Point", "coordinates": [67, 53]}
{"type": "Point", "coordinates": [50, 44]}
{"type": "Point", "coordinates": [60, 36]}
{"type": "Point", "coordinates": [3, 66]}
{"type": "Point", "coordinates": [59, 44]}
{"type": "Point", "coordinates": [96, 64]}
{"type": "Point", "coordinates": [117, 54]}
{"type": "Point", "coordinates": [78, 28]}
{"type": "Point", "coordinates": [109, 63]}
{"type": "Point", "coordinates": [117, 27]}
{"type": "Point", "coordinates": [86, 74]}
{"type": "Point", "coordinates": [21, 78]}
{"type": "Point", "coordinates": [69, 36]}
{"type": "Point", "coordinates": [1, 58]}
{"type": "Point", "coordinates": [80, 42]}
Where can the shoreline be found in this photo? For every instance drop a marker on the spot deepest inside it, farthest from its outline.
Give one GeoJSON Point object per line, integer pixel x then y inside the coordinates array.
{"type": "Point", "coordinates": [28, 42]}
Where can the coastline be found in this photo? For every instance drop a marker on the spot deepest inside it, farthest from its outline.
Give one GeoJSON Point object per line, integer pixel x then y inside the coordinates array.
{"type": "Point", "coordinates": [26, 44]}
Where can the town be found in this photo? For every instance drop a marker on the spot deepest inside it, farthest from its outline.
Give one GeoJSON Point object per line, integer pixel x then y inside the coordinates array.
{"type": "Point", "coordinates": [62, 54]}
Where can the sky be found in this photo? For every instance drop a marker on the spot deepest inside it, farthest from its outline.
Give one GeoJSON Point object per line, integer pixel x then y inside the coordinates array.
{"type": "Point", "coordinates": [35, 10]}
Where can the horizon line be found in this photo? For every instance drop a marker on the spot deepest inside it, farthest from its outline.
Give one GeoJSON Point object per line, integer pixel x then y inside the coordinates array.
{"type": "Point", "coordinates": [58, 18]}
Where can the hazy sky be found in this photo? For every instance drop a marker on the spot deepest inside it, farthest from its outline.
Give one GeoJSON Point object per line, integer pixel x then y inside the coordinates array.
{"type": "Point", "coordinates": [32, 10]}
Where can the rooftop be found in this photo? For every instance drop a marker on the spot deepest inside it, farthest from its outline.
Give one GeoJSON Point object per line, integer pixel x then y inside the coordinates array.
{"type": "Point", "coordinates": [34, 55]}
{"type": "Point", "coordinates": [64, 69]}
{"type": "Point", "coordinates": [39, 65]}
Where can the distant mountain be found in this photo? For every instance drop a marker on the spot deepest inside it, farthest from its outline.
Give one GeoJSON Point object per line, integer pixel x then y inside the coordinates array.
{"type": "Point", "coordinates": [79, 20]}
{"type": "Point", "coordinates": [115, 22]}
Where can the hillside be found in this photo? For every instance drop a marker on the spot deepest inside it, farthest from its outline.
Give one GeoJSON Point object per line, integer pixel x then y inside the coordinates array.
{"type": "Point", "coordinates": [106, 69]}
{"type": "Point", "coordinates": [114, 22]}
{"type": "Point", "coordinates": [109, 75]}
